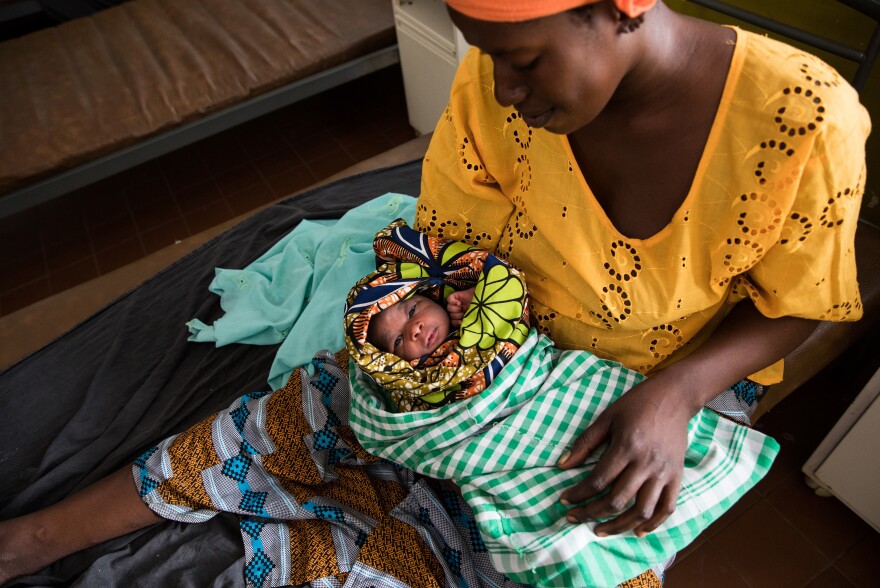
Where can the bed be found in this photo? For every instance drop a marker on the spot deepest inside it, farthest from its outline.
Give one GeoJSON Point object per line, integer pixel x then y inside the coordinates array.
{"type": "Point", "coordinates": [100, 94]}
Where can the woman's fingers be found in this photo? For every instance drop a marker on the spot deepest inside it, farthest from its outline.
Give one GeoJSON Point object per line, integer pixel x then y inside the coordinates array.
{"type": "Point", "coordinates": [585, 444]}
{"type": "Point", "coordinates": [664, 508]}
{"type": "Point", "coordinates": [645, 508]}
{"type": "Point", "coordinates": [635, 503]}
{"type": "Point", "coordinates": [622, 488]}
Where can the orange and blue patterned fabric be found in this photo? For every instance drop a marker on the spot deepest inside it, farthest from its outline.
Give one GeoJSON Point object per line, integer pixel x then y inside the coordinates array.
{"type": "Point", "coordinates": [494, 325]}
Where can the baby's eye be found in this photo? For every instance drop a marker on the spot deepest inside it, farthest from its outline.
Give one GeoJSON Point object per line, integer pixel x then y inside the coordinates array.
{"type": "Point", "coordinates": [397, 342]}
{"type": "Point", "coordinates": [412, 310]}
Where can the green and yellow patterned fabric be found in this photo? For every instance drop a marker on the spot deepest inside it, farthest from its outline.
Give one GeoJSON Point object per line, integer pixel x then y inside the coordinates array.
{"type": "Point", "coordinates": [494, 326]}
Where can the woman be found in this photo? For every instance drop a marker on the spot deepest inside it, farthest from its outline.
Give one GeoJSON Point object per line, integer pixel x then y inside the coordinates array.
{"type": "Point", "coordinates": [681, 196]}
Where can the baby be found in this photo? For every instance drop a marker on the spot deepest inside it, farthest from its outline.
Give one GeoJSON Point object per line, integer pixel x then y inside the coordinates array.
{"type": "Point", "coordinates": [415, 327]}
{"type": "Point", "coordinates": [399, 333]}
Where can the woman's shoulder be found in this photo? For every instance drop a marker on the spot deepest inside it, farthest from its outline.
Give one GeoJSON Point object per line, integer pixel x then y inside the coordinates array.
{"type": "Point", "coordinates": [472, 87]}
{"type": "Point", "coordinates": [805, 93]}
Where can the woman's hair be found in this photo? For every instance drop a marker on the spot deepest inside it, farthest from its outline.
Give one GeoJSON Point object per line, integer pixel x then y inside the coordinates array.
{"type": "Point", "coordinates": [584, 12]}
{"type": "Point", "coordinates": [627, 24]}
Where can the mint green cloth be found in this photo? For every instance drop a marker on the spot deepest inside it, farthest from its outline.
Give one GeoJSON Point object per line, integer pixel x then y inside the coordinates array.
{"type": "Point", "coordinates": [294, 294]}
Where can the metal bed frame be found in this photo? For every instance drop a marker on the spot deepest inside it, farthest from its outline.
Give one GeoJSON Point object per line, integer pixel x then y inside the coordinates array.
{"type": "Point", "coordinates": [865, 59]}
{"type": "Point", "coordinates": [157, 145]}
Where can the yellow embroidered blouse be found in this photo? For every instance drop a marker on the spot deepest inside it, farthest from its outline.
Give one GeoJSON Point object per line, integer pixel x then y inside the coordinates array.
{"type": "Point", "coordinates": [770, 216]}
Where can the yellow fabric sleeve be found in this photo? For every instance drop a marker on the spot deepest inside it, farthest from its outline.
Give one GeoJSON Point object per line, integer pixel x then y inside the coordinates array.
{"type": "Point", "coordinates": [811, 271]}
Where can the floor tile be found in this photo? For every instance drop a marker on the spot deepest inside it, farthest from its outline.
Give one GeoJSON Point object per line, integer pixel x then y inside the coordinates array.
{"type": "Point", "coordinates": [330, 163]}
{"type": "Point", "coordinates": [73, 274]}
{"type": "Point", "coordinates": [237, 179]}
{"type": "Point", "coordinates": [222, 152]}
{"type": "Point", "coordinates": [111, 233]}
{"type": "Point", "coordinates": [58, 224]}
{"type": "Point", "coordinates": [164, 235]}
{"type": "Point", "coordinates": [103, 206]}
{"type": "Point", "coordinates": [830, 578]}
{"type": "Point", "coordinates": [277, 161]}
{"type": "Point", "coordinates": [315, 146]}
{"type": "Point", "coordinates": [139, 193]}
{"type": "Point", "coordinates": [20, 231]}
{"type": "Point", "coordinates": [119, 255]}
{"type": "Point", "coordinates": [824, 522]}
{"type": "Point", "coordinates": [369, 147]}
{"type": "Point", "coordinates": [198, 195]}
{"type": "Point", "coordinates": [156, 213]}
{"type": "Point", "coordinates": [861, 563]}
{"type": "Point", "coordinates": [24, 295]}
{"type": "Point", "coordinates": [291, 181]}
{"type": "Point", "coordinates": [17, 270]}
{"type": "Point", "coordinates": [705, 568]}
{"type": "Point", "coordinates": [260, 138]}
{"type": "Point", "coordinates": [183, 175]}
{"type": "Point", "coordinates": [67, 252]}
{"type": "Point", "coordinates": [767, 551]}
{"type": "Point", "coordinates": [250, 199]}
{"type": "Point", "coordinates": [207, 217]}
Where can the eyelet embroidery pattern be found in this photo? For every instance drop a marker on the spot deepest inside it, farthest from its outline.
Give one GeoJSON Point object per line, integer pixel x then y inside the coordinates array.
{"type": "Point", "coordinates": [522, 225]}
{"type": "Point", "coordinates": [841, 311]}
{"type": "Point", "coordinates": [798, 117]}
{"type": "Point", "coordinates": [665, 340]}
{"type": "Point", "coordinates": [743, 288]}
{"type": "Point", "coordinates": [625, 263]}
{"type": "Point", "coordinates": [770, 158]}
{"type": "Point", "coordinates": [464, 151]}
{"type": "Point", "coordinates": [615, 303]}
{"type": "Point", "coordinates": [834, 211]}
{"type": "Point", "coordinates": [600, 321]}
{"type": "Point", "coordinates": [524, 167]}
{"type": "Point", "coordinates": [760, 214]}
{"type": "Point", "coordinates": [426, 220]}
{"type": "Point", "coordinates": [795, 231]}
{"type": "Point", "coordinates": [522, 133]}
{"type": "Point", "coordinates": [543, 321]}
{"type": "Point", "coordinates": [738, 256]}
{"type": "Point", "coordinates": [827, 77]}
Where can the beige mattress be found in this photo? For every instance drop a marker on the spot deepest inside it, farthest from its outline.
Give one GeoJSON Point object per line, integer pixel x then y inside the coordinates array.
{"type": "Point", "coordinates": [90, 86]}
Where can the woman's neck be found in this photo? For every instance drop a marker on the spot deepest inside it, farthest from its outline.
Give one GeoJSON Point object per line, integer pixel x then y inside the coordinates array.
{"type": "Point", "coordinates": [673, 60]}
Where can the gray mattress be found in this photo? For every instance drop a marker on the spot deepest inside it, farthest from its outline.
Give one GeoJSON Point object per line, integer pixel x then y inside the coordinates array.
{"type": "Point", "coordinates": [99, 395]}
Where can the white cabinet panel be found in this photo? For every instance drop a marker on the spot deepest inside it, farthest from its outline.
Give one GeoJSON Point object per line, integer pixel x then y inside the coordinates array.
{"type": "Point", "coordinates": [430, 51]}
{"type": "Point", "coordinates": [847, 463]}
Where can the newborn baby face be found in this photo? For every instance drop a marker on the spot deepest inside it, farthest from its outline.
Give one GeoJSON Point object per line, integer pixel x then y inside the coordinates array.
{"type": "Point", "coordinates": [411, 328]}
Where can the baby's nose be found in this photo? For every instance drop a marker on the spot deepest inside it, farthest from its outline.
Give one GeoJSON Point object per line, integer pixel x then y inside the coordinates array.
{"type": "Point", "coordinates": [415, 329]}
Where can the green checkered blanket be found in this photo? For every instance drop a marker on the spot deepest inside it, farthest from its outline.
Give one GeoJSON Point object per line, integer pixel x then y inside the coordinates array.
{"type": "Point", "coordinates": [500, 447]}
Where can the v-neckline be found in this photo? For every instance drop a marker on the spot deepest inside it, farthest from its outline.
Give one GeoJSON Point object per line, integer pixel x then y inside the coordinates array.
{"type": "Point", "coordinates": [718, 123]}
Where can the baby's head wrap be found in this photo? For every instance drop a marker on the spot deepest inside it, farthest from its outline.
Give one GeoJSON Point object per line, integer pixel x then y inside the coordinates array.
{"type": "Point", "coordinates": [520, 10]}
{"type": "Point", "coordinates": [493, 328]}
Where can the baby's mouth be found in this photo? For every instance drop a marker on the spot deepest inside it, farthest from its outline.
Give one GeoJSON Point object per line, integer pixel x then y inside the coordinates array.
{"type": "Point", "coordinates": [432, 335]}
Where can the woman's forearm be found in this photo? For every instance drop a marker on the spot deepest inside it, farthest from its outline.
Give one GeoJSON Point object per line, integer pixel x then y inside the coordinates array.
{"type": "Point", "coordinates": [745, 342]}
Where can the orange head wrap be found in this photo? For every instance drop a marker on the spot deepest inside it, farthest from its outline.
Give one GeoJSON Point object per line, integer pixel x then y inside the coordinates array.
{"type": "Point", "coordinates": [520, 10]}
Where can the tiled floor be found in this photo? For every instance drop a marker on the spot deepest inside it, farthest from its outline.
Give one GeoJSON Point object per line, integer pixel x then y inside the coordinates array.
{"type": "Point", "coordinates": [99, 228]}
{"type": "Point", "coordinates": [780, 535]}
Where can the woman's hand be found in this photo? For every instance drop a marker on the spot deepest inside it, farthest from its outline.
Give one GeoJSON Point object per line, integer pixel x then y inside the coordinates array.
{"type": "Point", "coordinates": [457, 304]}
{"type": "Point", "coordinates": [647, 427]}
{"type": "Point", "coordinates": [643, 464]}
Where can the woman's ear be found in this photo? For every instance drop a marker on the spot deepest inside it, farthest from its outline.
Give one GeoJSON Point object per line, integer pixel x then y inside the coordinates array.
{"type": "Point", "coordinates": [627, 24]}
